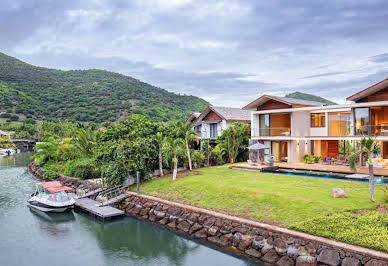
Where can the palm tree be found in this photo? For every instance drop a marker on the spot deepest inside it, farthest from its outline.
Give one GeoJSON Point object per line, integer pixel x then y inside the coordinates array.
{"type": "Point", "coordinates": [174, 149]}
{"type": "Point", "coordinates": [162, 143]}
{"type": "Point", "coordinates": [190, 135]}
{"type": "Point", "coordinates": [85, 141]}
{"type": "Point", "coordinates": [368, 147]}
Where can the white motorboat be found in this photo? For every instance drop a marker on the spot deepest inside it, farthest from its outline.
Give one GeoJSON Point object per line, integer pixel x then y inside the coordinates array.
{"type": "Point", "coordinates": [51, 197]}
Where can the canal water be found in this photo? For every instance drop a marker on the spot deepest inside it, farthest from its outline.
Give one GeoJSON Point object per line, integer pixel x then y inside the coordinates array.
{"type": "Point", "coordinates": [30, 238]}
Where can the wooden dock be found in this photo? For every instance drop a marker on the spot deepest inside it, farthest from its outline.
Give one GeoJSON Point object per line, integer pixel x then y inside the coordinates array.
{"type": "Point", "coordinates": [94, 208]}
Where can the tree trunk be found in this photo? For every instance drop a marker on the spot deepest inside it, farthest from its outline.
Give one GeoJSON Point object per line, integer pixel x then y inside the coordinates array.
{"type": "Point", "coordinates": [188, 156]}
{"type": "Point", "coordinates": [160, 164]}
{"type": "Point", "coordinates": [175, 169]}
{"type": "Point", "coordinates": [371, 183]}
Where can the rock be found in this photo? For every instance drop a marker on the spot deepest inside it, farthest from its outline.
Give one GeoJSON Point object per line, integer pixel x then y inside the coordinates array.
{"type": "Point", "coordinates": [201, 233]}
{"type": "Point", "coordinates": [184, 226]}
{"type": "Point", "coordinates": [159, 214]}
{"type": "Point", "coordinates": [280, 246]}
{"type": "Point", "coordinates": [330, 257]}
{"type": "Point", "coordinates": [258, 242]}
{"type": "Point", "coordinates": [172, 225]}
{"type": "Point", "coordinates": [226, 239]}
{"type": "Point", "coordinates": [195, 228]}
{"type": "Point", "coordinates": [266, 248]}
{"type": "Point", "coordinates": [305, 261]}
{"type": "Point", "coordinates": [338, 193]}
{"type": "Point", "coordinates": [164, 221]}
{"type": "Point", "coordinates": [144, 211]}
{"type": "Point", "coordinates": [245, 242]}
{"type": "Point", "coordinates": [213, 230]}
{"type": "Point", "coordinates": [285, 261]}
{"type": "Point", "coordinates": [152, 217]}
{"type": "Point", "coordinates": [375, 262]}
{"type": "Point", "coordinates": [209, 222]}
{"type": "Point", "coordinates": [253, 252]}
{"type": "Point", "coordinates": [293, 252]}
{"type": "Point", "coordinates": [236, 239]}
{"type": "Point", "coordinates": [271, 256]}
{"type": "Point", "coordinates": [350, 261]}
{"type": "Point", "coordinates": [193, 218]}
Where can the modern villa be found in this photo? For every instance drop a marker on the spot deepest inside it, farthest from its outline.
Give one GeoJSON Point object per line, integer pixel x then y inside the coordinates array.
{"type": "Point", "coordinates": [292, 128]}
{"type": "Point", "coordinates": [210, 123]}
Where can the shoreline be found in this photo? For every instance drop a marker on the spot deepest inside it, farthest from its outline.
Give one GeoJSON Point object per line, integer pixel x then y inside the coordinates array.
{"type": "Point", "coordinates": [261, 242]}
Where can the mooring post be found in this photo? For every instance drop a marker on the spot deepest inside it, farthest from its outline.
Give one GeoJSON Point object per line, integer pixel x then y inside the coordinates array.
{"type": "Point", "coordinates": [138, 182]}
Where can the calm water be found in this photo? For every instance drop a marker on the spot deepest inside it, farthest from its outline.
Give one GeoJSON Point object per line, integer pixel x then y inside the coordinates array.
{"type": "Point", "coordinates": [27, 238]}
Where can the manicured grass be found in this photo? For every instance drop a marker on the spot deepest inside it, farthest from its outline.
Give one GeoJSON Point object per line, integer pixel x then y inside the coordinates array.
{"type": "Point", "coordinates": [301, 203]}
{"type": "Point", "coordinates": [368, 229]}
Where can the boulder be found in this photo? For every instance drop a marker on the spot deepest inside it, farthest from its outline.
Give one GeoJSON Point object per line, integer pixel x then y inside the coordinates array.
{"type": "Point", "coordinates": [280, 246]}
{"type": "Point", "coordinates": [285, 261]}
{"type": "Point", "coordinates": [253, 252]}
{"type": "Point", "coordinates": [330, 257]}
{"type": "Point", "coordinates": [201, 233]}
{"type": "Point", "coordinates": [159, 214]}
{"type": "Point", "coordinates": [195, 228]}
{"type": "Point", "coordinates": [293, 252]}
{"type": "Point", "coordinates": [271, 256]}
{"type": "Point", "coordinates": [375, 262]}
{"type": "Point", "coordinates": [172, 225]}
{"type": "Point", "coordinates": [305, 261]}
{"type": "Point", "coordinates": [209, 222]}
{"type": "Point", "coordinates": [245, 242]}
{"type": "Point", "coordinates": [338, 193]}
{"type": "Point", "coordinates": [164, 221]}
{"type": "Point", "coordinates": [213, 230]}
{"type": "Point", "coordinates": [350, 261]}
{"type": "Point", "coordinates": [226, 239]}
{"type": "Point", "coordinates": [184, 226]}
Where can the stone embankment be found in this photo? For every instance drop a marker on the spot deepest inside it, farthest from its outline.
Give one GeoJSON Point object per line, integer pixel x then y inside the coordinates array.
{"type": "Point", "coordinates": [267, 243]}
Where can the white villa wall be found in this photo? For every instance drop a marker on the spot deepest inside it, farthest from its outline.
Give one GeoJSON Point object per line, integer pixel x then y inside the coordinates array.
{"type": "Point", "coordinates": [300, 124]}
{"type": "Point", "coordinates": [255, 125]}
{"type": "Point", "coordinates": [297, 149]}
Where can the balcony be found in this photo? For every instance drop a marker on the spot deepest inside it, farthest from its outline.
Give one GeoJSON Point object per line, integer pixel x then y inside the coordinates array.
{"type": "Point", "coordinates": [372, 130]}
{"type": "Point", "coordinates": [275, 131]}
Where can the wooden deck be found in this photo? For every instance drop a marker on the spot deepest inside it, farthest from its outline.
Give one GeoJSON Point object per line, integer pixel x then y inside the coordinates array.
{"type": "Point", "coordinates": [93, 208]}
{"type": "Point", "coordinates": [256, 168]}
{"type": "Point", "coordinates": [342, 169]}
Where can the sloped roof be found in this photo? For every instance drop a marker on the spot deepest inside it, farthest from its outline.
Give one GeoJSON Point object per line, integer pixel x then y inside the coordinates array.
{"type": "Point", "coordinates": [368, 91]}
{"type": "Point", "coordinates": [192, 115]}
{"type": "Point", "coordinates": [227, 113]}
{"type": "Point", "coordinates": [287, 100]}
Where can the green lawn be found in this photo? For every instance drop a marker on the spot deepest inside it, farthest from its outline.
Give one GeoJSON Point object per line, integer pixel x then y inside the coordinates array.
{"type": "Point", "coordinates": [290, 201]}
{"type": "Point", "coordinates": [279, 198]}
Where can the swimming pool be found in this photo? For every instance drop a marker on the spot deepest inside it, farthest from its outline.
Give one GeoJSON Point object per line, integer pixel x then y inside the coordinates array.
{"type": "Point", "coordinates": [378, 180]}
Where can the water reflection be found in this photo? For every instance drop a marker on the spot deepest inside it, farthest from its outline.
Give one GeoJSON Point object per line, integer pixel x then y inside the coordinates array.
{"type": "Point", "coordinates": [73, 238]}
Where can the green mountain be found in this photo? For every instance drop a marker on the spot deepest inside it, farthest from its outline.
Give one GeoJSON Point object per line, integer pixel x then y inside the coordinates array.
{"type": "Point", "coordinates": [310, 97]}
{"type": "Point", "coordinates": [86, 95]}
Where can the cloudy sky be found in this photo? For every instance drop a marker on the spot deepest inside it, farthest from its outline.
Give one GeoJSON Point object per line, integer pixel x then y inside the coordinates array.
{"type": "Point", "coordinates": [228, 52]}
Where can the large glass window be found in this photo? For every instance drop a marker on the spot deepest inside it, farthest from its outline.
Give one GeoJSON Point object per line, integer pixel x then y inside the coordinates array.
{"type": "Point", "coordinates": [264, 125]}
{"type": "Point", "coordinates": [362, 121]}
{"type": "Point", "coordinates": [340, 123]}
{"type": "Point", "coordinates": [318, 120]}
{"type": "Point", "coordinates": [198, 129]}
{"type": "Point", "coordinates": [213, 130]}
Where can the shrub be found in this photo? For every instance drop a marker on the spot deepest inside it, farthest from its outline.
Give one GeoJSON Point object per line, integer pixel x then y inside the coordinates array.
{"type": "Point", "coordinates": [5, 115]}
{"type": "Point", "coordinates": [369, 229]}
{"type": "Point", "coordinates": [83, 168]}
{"type": "Point", "coordinates": [50, 174]}
{"type": "Point", "coordinates": [14, 118]}
{"type": "Point", "coordinates": [198, 158]}
{"type": "Point", "coordinates": [309, 158]}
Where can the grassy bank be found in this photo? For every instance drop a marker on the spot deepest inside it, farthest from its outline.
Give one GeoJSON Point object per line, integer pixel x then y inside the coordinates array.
{"type": "Point", "coordinates": [289, 201]}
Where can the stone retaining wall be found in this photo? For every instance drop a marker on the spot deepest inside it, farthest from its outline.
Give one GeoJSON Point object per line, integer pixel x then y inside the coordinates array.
{"type": "Point", "coordinates": [267, 243]}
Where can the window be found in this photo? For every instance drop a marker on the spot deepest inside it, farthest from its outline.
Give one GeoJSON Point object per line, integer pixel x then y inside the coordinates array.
{"type": "Point", "coordinates": [362, 121]}
{"type": "Point", "coordinates": [198, 129]}
{"type": "Point", "coordinates": [318, 120]}
{"type": "Point", "coordinates": [264, 124]}
{"type": "Point", "coordinates": [213, 130]}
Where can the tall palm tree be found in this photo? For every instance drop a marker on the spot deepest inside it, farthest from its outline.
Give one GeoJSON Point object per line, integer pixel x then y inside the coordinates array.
{"type": "Point", "coordinates": [190, 135]}
{"type": "Point", "coordinates": [368, 147]}
{"type": "Point", "coordinates": [174, 150]}
{"type": "Point", "coordinates": [162, 142]}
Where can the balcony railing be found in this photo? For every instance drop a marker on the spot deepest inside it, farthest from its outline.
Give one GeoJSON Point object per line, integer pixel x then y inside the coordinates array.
{"type": "Point", "coordinates": [275, 131]}
{"type": "Point", "coordinates": [372, 130]}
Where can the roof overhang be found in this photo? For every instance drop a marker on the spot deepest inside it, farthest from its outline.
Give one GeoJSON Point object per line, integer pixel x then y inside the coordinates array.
{"type": "Point", "coordinates": [368, 91]}
{"type": "Point", "coordinates": [262, 100]}
{"type": "Point", "coordinates": [206, 112]}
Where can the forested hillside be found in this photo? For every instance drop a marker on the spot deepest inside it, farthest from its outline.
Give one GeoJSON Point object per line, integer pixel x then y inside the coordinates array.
{"type": "Point", "coordinates": [85, 95]}
{"type": "Point", "coordinates": [309, 97]}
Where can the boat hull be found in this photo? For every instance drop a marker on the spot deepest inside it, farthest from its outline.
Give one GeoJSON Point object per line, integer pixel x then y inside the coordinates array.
{"type": "Point", "coordinates": [48, 208]}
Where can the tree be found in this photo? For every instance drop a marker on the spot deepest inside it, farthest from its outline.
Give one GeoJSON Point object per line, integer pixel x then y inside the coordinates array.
{"type": "Point", "coordinates": [175, 149]}
{"type": "Point", "coordinates": [162, 142]}
{"type": "Point", "coordinates": [85, 142]}
{"type": "Point", "coordinates": [234, 140]}
{"type": "Point", "coordinates": [190, 135]}
{"type": "Point", "coordinates": [367, 146]}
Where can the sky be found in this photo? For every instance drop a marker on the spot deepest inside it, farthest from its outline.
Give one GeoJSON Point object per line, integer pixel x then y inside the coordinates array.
{"type": "Point", "coordinates": [227, 52]}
